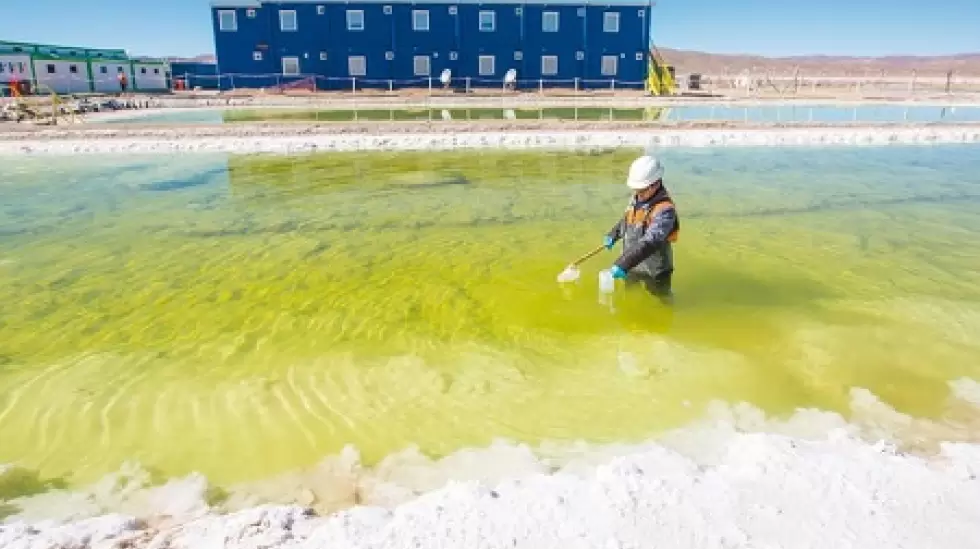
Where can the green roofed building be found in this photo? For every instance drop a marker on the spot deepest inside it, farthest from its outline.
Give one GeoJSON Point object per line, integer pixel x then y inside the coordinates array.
{"type": "Point", "coordinates": [69, 69]}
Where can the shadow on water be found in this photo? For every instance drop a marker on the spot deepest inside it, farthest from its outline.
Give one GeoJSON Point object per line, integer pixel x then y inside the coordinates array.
{"type": "Point", "coordinates": [197, 179]}
{"type": "Point", "coordinates": [17, 482]}
{"type": "Point", "coordinates": [722, 287]}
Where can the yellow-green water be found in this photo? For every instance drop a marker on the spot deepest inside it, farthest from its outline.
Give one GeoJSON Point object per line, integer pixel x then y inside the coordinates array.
{"type": "Point", "coordinates": [247, 316]}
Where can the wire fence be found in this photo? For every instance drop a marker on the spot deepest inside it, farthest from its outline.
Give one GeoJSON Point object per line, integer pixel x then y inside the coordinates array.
{"type": "Point", "coordinates": [744, 84]}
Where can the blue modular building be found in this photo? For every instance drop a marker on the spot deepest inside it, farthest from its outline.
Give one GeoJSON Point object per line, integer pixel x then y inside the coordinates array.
{"type": "Point", "coordinates": [399, 43]}
{"type": "Point", "coordinates": [194, 74]}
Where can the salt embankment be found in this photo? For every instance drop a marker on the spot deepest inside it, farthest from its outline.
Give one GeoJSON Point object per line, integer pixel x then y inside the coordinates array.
{"type": "Point", "coordinates": [734, 480]}
{"type": "Point", "coordinates": [301, 138]}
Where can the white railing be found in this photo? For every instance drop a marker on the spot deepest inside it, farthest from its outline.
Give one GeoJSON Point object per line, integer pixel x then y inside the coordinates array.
{"type": "Point", "coordinates": [744, 84]}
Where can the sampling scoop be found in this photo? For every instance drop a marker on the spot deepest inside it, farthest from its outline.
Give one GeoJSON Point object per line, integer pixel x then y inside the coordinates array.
{"type": "Point", "coordinates": [571, 273]}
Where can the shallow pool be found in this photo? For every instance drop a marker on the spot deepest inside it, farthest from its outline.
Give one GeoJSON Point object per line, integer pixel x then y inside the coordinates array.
{"type": "Point", "coordinates": [246, 316]}
{"type": "Point", "coordinates": [780, 113]}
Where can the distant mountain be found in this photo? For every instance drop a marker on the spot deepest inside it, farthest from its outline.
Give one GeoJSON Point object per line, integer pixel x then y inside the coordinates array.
{"type": "Point", "coordinates": [686, 61]}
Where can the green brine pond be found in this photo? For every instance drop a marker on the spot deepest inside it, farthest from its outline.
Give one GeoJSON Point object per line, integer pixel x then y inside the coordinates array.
{"type": "Point", "coordinates": [246, 316]}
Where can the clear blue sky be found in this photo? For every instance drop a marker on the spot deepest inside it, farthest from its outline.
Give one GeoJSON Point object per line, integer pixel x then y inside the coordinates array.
{"type": "Point", "coordinates": [769, 27]}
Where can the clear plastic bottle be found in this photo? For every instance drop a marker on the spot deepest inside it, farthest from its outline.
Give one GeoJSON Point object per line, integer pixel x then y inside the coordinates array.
{"type": "Point", "coordinates": [606, 282]}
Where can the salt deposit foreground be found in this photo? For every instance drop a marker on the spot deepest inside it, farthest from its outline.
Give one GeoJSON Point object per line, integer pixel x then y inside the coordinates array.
{"type": "Point", "coordinates": [312, 137]}
{"type": "Point", "coordinates": [734, 480]}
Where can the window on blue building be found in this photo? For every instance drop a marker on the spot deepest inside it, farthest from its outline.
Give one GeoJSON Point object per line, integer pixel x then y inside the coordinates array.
{"type": "Point", "coordinates": [486, 65]}
{"type": "Point", "coordinates": [227, 21]}
{"type": "Point", "coordinates": [549, 21]}
{"type": "Point", "coordinates": [549, 65]}
{"type": "Point", "coordinates": [320, 10]}
{"type": "Point", "coordinates": [610, 21]}
{"type": "Point", "coordinates": [421, 65]}
{"type": "Point", "coordinates": [420, 20]}
{"type": "Point", "coordinates": [357, 65]}
{"type": "Point", "coordinates": [488, 21]}
{"type": "Point", "coordinates": [250, 13]}
{"type": "Point", "coordinates": [355, 20]}
{"type": "Point", "coordinates": [323, 56]}
{"type": "Point", "coordinates": [287, 20]}
{"type": "Point", "coordinates": [609, 65]}
{"type": "Point", "coordinates": [256, 56]}
{"type": "Point", "coordinates": [290, 66]}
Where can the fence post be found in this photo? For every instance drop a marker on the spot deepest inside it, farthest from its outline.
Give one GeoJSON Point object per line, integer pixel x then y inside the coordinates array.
{"type": "Point", "coordinates": [391, 86]}
{"type": "Point", "coordinates": [540, 86]}
{"type": "Point", "coordinates": [576, 85]}
{"type": "Point", "coordinates": [430, 85]}
{"type": "Point", "coordinates": [467, 85]}
{"type": "Point", "coordinates": [612, 85]}
{"type": "Point", "coordinates": [231, 81]}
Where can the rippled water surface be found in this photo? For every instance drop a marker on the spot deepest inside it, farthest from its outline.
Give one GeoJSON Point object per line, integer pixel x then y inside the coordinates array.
{"type": "Point", "coordinates": [246, 316]}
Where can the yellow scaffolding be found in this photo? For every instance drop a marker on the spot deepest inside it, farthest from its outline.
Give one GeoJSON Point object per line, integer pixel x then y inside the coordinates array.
{"type": "Point", "coordinates": [660, 77]}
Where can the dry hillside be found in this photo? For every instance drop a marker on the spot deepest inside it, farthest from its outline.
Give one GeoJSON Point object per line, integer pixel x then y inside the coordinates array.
{"type": "Point", "coordinates": [713, 63]}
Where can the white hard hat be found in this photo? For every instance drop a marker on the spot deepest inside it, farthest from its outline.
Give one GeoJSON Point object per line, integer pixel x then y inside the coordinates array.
{"type": "Point", "coordinates": [645, 171]}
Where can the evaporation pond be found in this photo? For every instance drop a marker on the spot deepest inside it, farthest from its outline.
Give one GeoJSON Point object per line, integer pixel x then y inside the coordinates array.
{"type": "Point", "coordinates": [244, 316]}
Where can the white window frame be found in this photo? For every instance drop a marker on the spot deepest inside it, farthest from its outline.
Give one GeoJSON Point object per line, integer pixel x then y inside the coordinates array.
{"type": "Point", "coordinates": [416, 26]}
{"type": "Point", "coordinates": [256, 56]}
{"type": "Point", "coordinates": [221, 21]}
{"type": "Point", "coordinates": [639, 56]}
{"type": "Point", "coordinates": [493, 65]}
{"type": "Point", "coordinates": [282, 22]}
{"type": "Point", "coordinates": [320, 10]}
{"type": "Point", "coordinates": [427, 62]}
{"type": "Point", "coordinates": [545, 60]}
{"type": "Point", "coordinates": [250, 13]}
{"type": "Point", "coordinates": [493, 20]}
{"type": "Point", "coordinates": [518, 55]}
{"type": "Point", "coordinates": [603, 69]}
{"type": "Point", "coordinates": [545, 16]}
{"type": "Point", "coordinates": [361, 60]}
{"type": "Point", "coordinates": [293, 59]}
{"type": "Point", "coordinates": [610, 21]}
{"type": "Point", "coordinates": [323, 56]}
{"type": "Point", "coordinates": [350, 15]}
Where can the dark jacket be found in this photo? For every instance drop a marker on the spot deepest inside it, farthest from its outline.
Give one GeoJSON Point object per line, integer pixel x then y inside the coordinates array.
{"type": "Point", "coordinates": [647, 229]}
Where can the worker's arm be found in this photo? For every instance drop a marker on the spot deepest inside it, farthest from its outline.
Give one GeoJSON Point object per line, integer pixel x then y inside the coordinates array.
{"type": "Point", "coordinates": [655, 235]}
{"type": "Point", "coordinates": [615, 233]}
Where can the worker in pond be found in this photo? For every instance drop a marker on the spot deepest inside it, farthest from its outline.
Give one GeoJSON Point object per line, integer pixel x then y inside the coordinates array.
{"type": "Point", "coordinates": [647, 229]}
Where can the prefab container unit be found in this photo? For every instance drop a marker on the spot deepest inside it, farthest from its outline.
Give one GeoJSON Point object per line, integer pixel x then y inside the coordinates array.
{"type": "Point", "coordinates": [408, 42]}
{"type": "Point", "coordinates": [105, 75]}
{"type": "Point", "coordinates": [61, 75]}
{"type": "Point", "coordinates": [150, 76]}
{"type": "Point", "coordinates": [14, 67]}
{"type": "Point", "coordinates": [69, 69]}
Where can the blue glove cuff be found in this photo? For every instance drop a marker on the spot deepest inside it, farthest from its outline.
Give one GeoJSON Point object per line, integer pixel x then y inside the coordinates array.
{"type": "Point", "coordinates": [618, 272]}
{"type": "Point", "coordinates": [609, 242]}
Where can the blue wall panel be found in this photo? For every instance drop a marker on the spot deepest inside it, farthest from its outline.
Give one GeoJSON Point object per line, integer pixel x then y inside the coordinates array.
{"type": "Point", "coordinates": [203, 75]}
{"type": "Point", "coordinates": [323, 44]}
